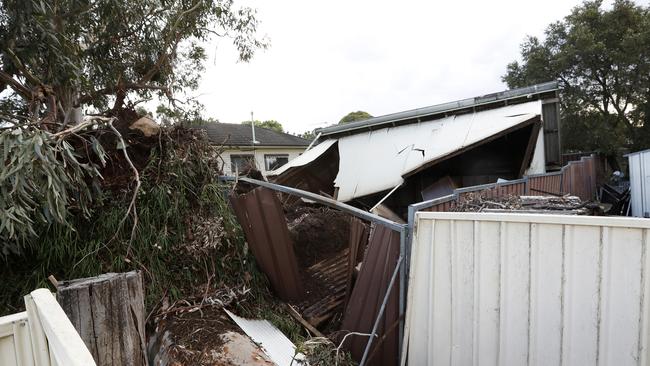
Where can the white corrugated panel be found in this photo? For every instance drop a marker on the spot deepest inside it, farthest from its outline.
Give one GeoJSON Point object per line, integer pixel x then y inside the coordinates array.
{"type": "Point", "coordinates": [306, 158]}
{"type": "Point", "coordinates": [375, 161]}
{"type": "Point", "coordinates": [41, 336]}
{"type": "Point", "coordinates": [274, 343]}
{"type": "Point", "coordinates": [639, 164]}
{"type": "Point", "coordinates": [513, 289]}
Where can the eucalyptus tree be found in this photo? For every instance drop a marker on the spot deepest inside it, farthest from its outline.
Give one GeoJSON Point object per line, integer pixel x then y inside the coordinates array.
{"type": "Point", "coordinates": [601, 57]}
{"type": "Point", "coordinates": [57, 57]}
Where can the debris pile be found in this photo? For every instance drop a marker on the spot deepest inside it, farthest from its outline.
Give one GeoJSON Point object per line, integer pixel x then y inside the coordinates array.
{"type": "Point", "coordinates": [564, 205]}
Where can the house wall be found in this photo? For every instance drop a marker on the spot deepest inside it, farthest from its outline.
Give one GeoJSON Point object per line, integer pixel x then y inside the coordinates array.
{"type": "Point", "coordinates": [514, 289]}
{"type": "Point", "coordinates": [259, 153]}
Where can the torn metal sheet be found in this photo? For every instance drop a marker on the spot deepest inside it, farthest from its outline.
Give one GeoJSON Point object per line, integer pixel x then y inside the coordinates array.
{"type": "Point", "coordinates": [400, 151]}
{"type": "Point", "coordinates": [274, 343]}
{"type": "Point", "coordinates": [261, 216]}
{"type": "Point", "coordinates": [366, 299]}
{"type": "Point", "coordinates": [306, 158]}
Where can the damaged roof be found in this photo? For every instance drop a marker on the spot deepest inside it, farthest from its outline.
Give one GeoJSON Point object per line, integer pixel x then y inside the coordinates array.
{"type": "Point", "coordinates": [232, 134]}
{"type": "Point", "coordinates": [378, 160]}
{"type": "Point", "coordinates": [488, 101]}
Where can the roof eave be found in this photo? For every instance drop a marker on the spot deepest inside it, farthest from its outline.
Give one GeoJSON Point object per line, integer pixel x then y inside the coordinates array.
{"type": "Point", "coordinates": [394, 119]}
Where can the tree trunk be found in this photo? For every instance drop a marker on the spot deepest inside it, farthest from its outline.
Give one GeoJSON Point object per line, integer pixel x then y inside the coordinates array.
{"type": "Point", "coordinates": [108, 312]}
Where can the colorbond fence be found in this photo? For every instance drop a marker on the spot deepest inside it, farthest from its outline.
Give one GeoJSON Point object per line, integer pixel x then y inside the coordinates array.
{"type": "Point", "coordinates": [41, 336]}
{"type": "Point", "coordinates": [577, 178]}
{"type": "Point", "coordinates": [503, 289]}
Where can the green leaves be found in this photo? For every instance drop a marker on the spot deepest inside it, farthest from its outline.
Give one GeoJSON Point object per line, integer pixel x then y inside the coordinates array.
{"type": "Point", "coordinates": [41, 182]}
{"type": "Point", "coordinates": [602, 59]}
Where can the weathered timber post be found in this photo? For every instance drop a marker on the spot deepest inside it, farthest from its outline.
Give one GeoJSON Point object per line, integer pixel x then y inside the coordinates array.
{"type": "Point", "coordinates": [108, 312]}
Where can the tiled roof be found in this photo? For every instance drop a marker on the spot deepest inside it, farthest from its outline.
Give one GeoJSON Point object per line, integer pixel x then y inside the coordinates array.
{"type": "Point", "coordinates": [231, 134]}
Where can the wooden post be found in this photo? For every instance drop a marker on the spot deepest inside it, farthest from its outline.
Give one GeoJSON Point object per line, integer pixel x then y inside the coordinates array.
{"type": "Point", "coordinates": [108, 312]}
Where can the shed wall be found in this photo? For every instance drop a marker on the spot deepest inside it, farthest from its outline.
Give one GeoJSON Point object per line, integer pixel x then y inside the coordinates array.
{"type": "Point", "coordinates": [512, 289]}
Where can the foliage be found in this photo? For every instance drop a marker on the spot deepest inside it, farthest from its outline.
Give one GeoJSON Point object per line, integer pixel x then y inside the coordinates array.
{"type": "Point", "coordinates": [602, 61]}
{"type": "Point", "coordinates": [55, 56]}
{"type": "Point", "coordinates": [42, 180]}
{"type": "Point", "coordinates": [355, 116]}
{"type": "Point", "coordinates": [308, 135]}
{"type": "Point", "coordinates": [175, 247]}
{"type": "Point", "coordinates": [270, 124]}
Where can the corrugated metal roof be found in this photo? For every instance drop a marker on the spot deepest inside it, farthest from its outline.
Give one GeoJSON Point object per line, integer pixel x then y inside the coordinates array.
{"type": "Point", "coordinates": [413, 115]}
{"type": "Point", "coordinates": [375, 161]}
{"type": "Point", "coordinates": [305, 158]}
{"type": "Point", "coordinates": [231, 134]}
{"type": "Point", "coordinates": [274, 343]}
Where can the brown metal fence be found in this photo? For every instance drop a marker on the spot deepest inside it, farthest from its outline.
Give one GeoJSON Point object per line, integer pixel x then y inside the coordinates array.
{"type": "Point", "coordinates": [577, 178]}
{"type": "Point", "coordinates": [366, 298]}
{"type": "Point", "coordinates": [261, 217]}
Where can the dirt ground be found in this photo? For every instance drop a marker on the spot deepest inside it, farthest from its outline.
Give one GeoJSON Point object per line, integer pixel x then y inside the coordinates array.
{"type": "Point", "coordinates": [317, 233]}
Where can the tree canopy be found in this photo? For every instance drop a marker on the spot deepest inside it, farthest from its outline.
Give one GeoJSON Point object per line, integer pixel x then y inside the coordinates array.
{"type": "Point", "coordinates": [104, 55]}
{"type": "Point", "coordinates": [270, 124]}
{"type": "Point", "coordinates": [355, 116]}
{"type": "Point", "coordinates": [601, 59]}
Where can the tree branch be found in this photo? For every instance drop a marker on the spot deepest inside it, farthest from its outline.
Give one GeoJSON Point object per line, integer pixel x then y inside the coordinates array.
{"type": "Point", "coordinates": [15, 85]}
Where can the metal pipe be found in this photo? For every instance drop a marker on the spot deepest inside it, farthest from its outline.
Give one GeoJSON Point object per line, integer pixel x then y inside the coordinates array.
{"type": "Point", "coordinates": [328, 202]}
{"type": "Point", "coordinates": [381, 312]}
{"type": "Point", "coordinates": [313, 141]}
{"type": "Point", "coordinates": [402, 288]}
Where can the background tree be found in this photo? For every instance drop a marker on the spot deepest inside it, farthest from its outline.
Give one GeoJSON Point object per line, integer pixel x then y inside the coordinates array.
{"type": "Point", "coordinates": [601, 59]}
{"type": "Point", "coordinates": [102, 56]}
{"type": "Point", "coordinates": [355, 116]}
{"type": "Point", "coordinates": [270, 124]}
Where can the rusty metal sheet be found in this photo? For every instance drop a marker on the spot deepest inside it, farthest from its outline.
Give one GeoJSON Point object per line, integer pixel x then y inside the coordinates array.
{"type": "Point", "coordinates": [368, 293]}
{"type": "Point", "coordinates": [261, 216]}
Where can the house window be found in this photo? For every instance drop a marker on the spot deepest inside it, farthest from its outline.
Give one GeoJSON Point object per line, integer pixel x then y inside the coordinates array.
{"type": "Point", "coordinates": [274, 161]}
{"type": "Point", "coordinates": [242, 162]}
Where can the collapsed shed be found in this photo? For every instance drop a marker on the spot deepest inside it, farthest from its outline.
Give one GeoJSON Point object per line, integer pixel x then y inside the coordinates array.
{"type": "Point", "coordinates": [407, 157]}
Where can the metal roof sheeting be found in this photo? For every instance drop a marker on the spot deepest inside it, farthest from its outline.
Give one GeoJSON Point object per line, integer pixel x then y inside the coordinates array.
{"type": "Point", "coordinates": [414, 114]}
{"type": "Point", "coordinates": [274, 343]}
{"type": "Point", "coordinates": [306, 158]}
{"type": "Point", "coordinates": [375, 161]}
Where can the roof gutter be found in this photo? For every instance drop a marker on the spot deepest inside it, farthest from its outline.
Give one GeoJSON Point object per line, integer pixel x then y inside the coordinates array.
{"type": "Point", "coordinates": [395, 118]}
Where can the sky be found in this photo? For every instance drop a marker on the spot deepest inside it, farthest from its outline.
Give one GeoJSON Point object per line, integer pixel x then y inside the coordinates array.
{"type": "Point", "coordinates": [328, 58]}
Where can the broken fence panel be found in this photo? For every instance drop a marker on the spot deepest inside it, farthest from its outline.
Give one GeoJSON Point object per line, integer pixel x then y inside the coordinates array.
{"type": "Point", "coordinates": [367, 297]}
{"type": "Point", "coordinates": [261, 216]}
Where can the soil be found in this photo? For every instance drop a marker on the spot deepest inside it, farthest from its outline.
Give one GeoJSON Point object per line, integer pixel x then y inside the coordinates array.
{"type": "Point", "coordinates": [199, 330]}
{"type": "Point", "coordinates": [317, 232]}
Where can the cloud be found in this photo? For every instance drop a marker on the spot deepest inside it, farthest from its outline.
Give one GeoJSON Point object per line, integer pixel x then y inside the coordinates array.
{"type": "Point", "coordinates": [329, 58]}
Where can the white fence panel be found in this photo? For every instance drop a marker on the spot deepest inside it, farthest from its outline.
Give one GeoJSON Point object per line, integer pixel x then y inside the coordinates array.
{"type": "Point", "coordinates": [41, 336]}
{"type": "Point", "coordinates": [514, 289]}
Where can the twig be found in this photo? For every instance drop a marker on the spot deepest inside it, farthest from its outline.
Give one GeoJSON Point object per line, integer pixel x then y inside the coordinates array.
{"type": "Point", "coordinates": [132, 208]}
{"type": "Point", "coordinates": [343, 341]}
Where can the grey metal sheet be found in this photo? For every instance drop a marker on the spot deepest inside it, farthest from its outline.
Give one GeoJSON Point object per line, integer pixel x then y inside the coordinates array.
{"type": "Point", "coordinates": [395, 118]}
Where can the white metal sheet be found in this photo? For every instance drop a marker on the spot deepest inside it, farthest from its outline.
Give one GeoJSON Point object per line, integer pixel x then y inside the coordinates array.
{"type": "Point", "coordinates": [511, 289]}
{"type": "Point", "coordinates": [274, 343]}
{"type": "Point", "coordinates": [639, 164]}
{"type": "Point", "coordinates": [306, 158]}
{"type": "Point", "coordinates": [377, 160]}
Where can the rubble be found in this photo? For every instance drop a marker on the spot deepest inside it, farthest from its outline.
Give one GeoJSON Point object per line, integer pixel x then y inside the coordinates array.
{"type": "Point", "coordinates": [562, 205]}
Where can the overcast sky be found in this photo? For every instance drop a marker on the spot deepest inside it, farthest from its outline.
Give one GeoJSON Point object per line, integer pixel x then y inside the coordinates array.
{"type": "Point", "coordinates": [328, 58]}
